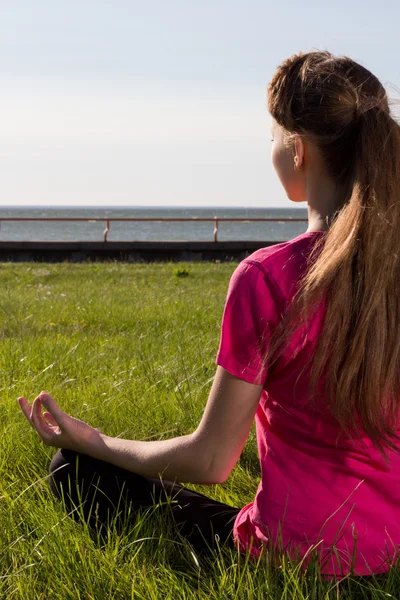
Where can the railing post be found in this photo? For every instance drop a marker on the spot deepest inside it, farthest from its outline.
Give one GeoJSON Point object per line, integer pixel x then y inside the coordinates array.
{"type": "Point", "coordinates": [215, 229]}
{"type": "Point", "coordinates": [107, 229]}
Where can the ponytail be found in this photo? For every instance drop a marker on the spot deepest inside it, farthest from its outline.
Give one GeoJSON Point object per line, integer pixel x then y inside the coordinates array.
{"type": "Point", "coordinates": [355, 266]}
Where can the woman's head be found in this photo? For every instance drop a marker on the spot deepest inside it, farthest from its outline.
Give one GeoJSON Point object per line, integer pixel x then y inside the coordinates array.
{"type": "Point", "coordinates": [322, 102]}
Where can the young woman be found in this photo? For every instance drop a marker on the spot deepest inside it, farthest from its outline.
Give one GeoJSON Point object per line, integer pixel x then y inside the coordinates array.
{"type": "Point", "coordinates": [310, 347]}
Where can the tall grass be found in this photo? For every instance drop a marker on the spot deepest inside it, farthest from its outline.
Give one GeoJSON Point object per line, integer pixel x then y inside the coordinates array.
{"type": "Point", "coordinates": [131, 350]}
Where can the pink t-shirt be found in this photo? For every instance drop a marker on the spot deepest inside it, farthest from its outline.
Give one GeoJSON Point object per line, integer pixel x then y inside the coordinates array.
{"type": "Point", "coordinates": [316, 487]}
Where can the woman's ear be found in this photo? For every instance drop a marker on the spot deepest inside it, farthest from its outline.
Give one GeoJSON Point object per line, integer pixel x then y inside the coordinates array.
{"type": "Point", "coordinates": [298, 153]}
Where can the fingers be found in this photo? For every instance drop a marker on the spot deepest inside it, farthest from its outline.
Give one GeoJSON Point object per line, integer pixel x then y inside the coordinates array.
{"type": "Point", "coordinates": [43, 427]}
{"type": "Point", "coordinates": [45, 424]}
{"type": "Point", "coordinates": [27, 410]}
{"type": "Point", "coordinates": [33, 416]}
{"type": "Point", "coordinates": [54, 414]}
{"type": "Point", "coordinates": [36, 408]}
{"type": "Point", "coordinates": [25, 407]}
{"type": "Point", "coordinates": [52, 407]}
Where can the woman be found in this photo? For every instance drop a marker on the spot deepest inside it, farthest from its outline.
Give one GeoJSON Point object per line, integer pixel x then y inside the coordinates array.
{"type": "Point", "coordinates": [310, 347]}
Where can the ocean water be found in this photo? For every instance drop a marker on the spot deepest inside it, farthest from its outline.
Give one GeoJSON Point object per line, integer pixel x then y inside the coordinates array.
{"type": "Point", "coordinates": [139, 231]}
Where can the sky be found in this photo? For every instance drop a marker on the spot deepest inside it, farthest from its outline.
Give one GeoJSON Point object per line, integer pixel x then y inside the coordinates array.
{"type": "Point", "coordinates": [160, 103]}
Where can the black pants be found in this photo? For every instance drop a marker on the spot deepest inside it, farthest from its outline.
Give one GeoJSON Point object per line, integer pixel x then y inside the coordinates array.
{"type": "Point", "coordinates": [103, 493]}
{"type": "Point", "coordinates": [106, 493]}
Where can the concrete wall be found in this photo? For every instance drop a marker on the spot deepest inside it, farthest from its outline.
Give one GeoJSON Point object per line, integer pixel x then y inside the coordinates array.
{"type": "Point", "coordinates": [128, 251]}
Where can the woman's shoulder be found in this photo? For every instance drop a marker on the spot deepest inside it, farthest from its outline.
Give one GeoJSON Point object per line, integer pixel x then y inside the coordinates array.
{"type": "Point", "coordinates": [279, 254]}
{"type": "Point", "coordinates": [282, 264]}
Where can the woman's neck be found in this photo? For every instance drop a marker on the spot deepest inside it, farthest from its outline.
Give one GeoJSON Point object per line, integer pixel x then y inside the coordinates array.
{"type": "Point", "coordinates": [324, 199]}
{"type": "Point", "coordinates": [316, 220]}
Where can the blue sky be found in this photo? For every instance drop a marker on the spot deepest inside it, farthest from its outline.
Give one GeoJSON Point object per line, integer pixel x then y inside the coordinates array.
{"type": "Point", "coordinates": [161, 103]}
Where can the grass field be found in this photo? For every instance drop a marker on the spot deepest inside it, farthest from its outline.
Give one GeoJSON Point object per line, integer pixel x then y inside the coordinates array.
{"type": "Point", "coordinates": [130, 349]}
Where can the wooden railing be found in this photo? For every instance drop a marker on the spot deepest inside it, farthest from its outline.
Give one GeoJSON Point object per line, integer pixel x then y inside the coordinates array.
{"type": "Point", "coordinates": [215, 220]}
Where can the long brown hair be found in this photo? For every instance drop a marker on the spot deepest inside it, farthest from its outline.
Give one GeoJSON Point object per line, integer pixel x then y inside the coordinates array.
{"type": "Point", "coordinates": [343, 108]}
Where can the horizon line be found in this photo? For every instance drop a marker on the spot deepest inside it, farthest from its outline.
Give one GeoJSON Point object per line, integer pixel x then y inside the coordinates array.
{"type": "Point", "coordinates": [159, 206]}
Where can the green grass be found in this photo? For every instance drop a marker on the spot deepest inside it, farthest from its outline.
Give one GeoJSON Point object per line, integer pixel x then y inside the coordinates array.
{"type": "Point", "coordinates": [129, 349]}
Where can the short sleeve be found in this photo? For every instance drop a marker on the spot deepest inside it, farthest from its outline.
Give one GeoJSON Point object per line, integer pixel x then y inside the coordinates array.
{"type": "Point", "coordinates": [250, 315]}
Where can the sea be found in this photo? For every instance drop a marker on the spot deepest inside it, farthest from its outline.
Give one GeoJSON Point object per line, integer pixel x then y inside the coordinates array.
{"type": "Point", "coordinates": [152, 231]}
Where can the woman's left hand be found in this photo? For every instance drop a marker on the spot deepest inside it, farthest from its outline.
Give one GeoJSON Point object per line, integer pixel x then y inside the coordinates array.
{"type": "Point", "coordinates": [57, 428]}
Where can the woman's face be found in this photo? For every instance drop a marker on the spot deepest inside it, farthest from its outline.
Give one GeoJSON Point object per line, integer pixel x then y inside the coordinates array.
{"type": "Point", "coordinates": [285, 155]}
